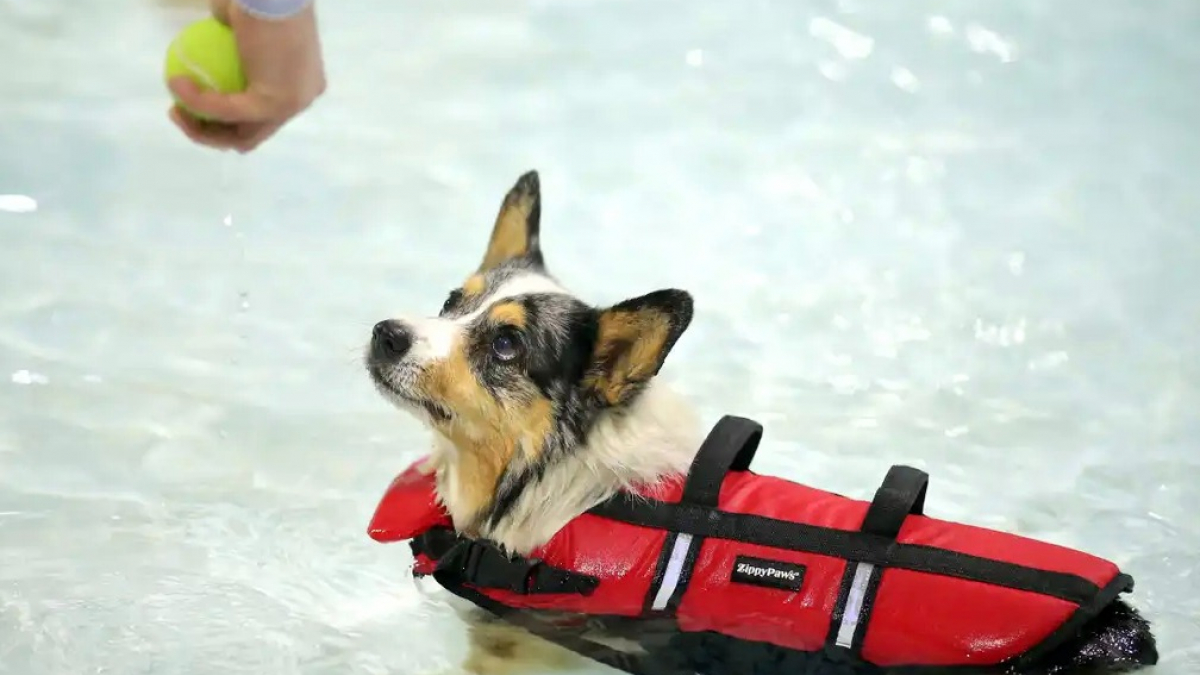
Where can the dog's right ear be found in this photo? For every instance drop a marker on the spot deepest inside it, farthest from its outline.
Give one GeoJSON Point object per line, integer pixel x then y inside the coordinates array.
{"type": "Point", "coordinates": [515, 234]}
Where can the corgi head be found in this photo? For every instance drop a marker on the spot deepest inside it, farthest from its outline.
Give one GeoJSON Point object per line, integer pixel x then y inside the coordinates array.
{"type": "Point", "coordinates": [514, 370]}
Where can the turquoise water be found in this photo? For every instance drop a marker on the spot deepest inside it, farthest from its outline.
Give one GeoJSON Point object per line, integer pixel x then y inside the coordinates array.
{"type": "Point", "coordinates": [956, 235]}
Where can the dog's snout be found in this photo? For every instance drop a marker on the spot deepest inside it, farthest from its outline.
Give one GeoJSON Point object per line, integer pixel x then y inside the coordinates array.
{"type": "Point", "coordinates": [390, 339]}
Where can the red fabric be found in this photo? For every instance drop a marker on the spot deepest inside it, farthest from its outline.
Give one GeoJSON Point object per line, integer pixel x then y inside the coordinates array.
{"type": "Point", "coordinates": [917, 618]}
{"type": "Point", "coordinates": [622, 556]}
{"type": "Point", "coordinates": [928, 619]}
{"type": "Point", "coordinates": [799, 620]}
{"type": "Point", "coordinates": [408, 508]}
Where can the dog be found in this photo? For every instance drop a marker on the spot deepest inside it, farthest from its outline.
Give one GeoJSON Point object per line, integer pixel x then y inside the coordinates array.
{"type": "Point", "coordinates": [543, 406]}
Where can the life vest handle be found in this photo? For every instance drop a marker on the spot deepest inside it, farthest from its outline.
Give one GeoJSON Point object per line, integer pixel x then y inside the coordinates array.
{"type": "Point", "coordinates": [730, 446]}
{"type": "Point", "coordinates": [902, 494]}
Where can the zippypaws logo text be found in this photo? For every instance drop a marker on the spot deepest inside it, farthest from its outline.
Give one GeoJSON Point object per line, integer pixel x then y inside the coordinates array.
{"type": "Point", "coordinates": [769, 573]}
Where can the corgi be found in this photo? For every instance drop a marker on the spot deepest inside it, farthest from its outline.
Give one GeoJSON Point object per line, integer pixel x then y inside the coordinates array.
{"type": "Point", "coordinates": [542, 406]}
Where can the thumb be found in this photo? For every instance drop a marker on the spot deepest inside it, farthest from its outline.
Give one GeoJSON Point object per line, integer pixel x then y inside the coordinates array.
{"type": "Point", "coordinates": [234, 108]}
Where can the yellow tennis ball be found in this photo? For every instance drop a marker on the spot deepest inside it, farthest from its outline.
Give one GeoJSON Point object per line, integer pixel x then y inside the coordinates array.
{"type": "Point", "coordinates": [206, 52]}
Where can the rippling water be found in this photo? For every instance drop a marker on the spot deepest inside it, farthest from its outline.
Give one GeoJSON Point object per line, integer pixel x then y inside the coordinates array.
{"type": "Point", "coordinates": [955, 235]}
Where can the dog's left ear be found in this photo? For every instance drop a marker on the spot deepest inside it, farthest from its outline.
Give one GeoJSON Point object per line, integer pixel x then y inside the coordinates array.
{"type": "Point", "coordinates": [632, 341]}
{"type": "Point", "coordinates": [515, 234]}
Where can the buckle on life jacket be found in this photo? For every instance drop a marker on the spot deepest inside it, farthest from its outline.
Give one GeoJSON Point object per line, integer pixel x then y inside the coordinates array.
{"type": "Point", "coordinates": [483, 564]}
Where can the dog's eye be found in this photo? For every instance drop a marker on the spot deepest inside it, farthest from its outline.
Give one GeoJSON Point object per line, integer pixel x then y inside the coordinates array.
{"type": "Point", "coordinates": [505, 347]}
{"type": "Point", "coordinates": [452, 300]}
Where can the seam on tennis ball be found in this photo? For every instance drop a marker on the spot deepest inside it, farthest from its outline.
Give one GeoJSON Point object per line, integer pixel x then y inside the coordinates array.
{"type": "Point", "coordinates": [194, 68]}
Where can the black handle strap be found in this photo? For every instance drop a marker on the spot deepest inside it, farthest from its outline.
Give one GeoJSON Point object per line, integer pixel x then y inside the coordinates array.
{"type": "Point", "coordinates": [462, 560]}
{"type": "Point", "coordinates": [730, 446]}
{"type": "Point", "coordinates": [902, 494]}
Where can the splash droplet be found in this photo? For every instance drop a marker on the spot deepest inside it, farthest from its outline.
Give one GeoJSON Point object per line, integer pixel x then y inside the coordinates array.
{"type": "Point", "coordinates": [18, 204]}
{"type": "Point", "coordinates": [28, 377]}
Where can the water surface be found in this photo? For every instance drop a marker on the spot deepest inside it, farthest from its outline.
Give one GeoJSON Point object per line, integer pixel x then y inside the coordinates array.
{"type": "Point", "coordinates": [956, 235]}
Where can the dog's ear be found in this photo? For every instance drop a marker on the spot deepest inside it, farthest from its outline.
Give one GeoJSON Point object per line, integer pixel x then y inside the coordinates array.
{"type": "Point", "coordinates": [633, 339]}
{"type": "Point", "coordinates": [515, 234]}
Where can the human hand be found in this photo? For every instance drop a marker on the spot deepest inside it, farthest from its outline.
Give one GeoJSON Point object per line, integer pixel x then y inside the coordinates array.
{"type": "Point", "coordinates": [285, 75]}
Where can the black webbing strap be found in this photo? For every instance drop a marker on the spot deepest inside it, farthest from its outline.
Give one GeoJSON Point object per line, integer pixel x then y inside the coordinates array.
{"type": "Point", "coordinates": [730, 446]}
{"type": "Point", "coordinates": [844, 544]}
{"type": "Point", "coordinates": [901, 494]}
{"type": "Point", "coordinates": [480, 563]}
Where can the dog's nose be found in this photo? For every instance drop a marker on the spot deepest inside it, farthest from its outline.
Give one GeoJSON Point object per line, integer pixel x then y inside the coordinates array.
{"type": "Point", "coordinates": [390, 339]}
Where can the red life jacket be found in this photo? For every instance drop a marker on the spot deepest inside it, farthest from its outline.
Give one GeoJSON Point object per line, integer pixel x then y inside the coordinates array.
{"type": "Point", "coordinates": [764, 560]}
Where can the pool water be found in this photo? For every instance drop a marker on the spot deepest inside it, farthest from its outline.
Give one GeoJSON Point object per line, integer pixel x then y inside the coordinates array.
{"type": "Point", "coordinates": [953, 235]}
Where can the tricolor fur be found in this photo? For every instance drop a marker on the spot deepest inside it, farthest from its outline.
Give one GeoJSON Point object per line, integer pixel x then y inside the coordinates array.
{"type": "Point", "coordinates": [541, 404]}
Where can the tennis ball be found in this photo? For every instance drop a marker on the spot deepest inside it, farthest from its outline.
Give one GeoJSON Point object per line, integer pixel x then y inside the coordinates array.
{"type": "Point", "coordinates": [206, 52]}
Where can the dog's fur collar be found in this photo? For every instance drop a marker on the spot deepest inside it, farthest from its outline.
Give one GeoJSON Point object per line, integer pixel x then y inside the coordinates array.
{"type": "Point", "coordinates": [652, 441]}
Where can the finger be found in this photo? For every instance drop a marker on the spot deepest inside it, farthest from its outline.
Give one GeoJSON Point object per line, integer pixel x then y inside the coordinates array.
{"type": "Point", "coordinates": [253, 136]}
{"type": "Point", "coordinates": [219, 136]}
{"type": "Point", "coordinates": [191, 128]}
{"type": "Point", "coordinates": [220, 10]}
{"type": "Point", "coordinates": [231, 108]}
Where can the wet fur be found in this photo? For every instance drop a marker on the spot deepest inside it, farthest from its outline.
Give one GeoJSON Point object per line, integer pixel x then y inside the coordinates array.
{"type": "Point", "coordinates": [521, 446]}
